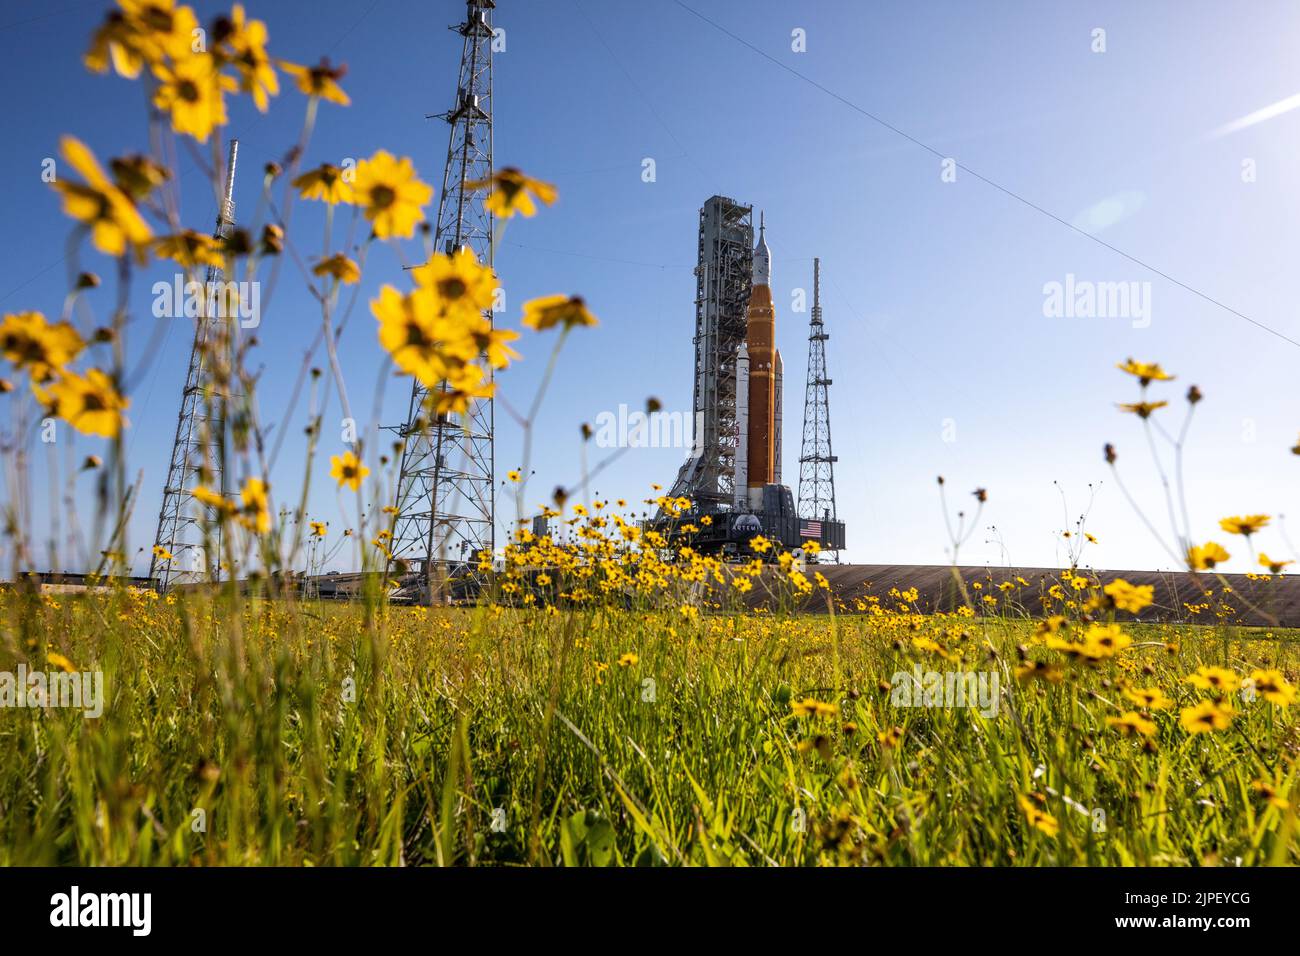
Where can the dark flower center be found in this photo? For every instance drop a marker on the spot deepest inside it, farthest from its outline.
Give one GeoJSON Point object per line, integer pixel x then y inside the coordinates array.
{"type": "Point", "coordinates": [415, 335]}
{"type": "Point", "coordinates": [158, 18]}
{"type": "Point", "coordinates": [452, 288]}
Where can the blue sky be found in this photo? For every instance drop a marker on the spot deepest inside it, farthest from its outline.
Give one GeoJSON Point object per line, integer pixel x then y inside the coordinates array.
{"type": "Point", "coordinates": [933, 291]}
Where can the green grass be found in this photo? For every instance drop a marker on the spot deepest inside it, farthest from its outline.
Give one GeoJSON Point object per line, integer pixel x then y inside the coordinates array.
{"type": "Point", "coordinates": [328, 735]}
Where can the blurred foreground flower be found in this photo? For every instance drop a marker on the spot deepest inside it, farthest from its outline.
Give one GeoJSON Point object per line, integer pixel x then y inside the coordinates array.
{"type": "Point", "coordinates": [115, 222]}
{"type": "Point", "coordinates": [193, 91]}
{"type": "Point", "coordinates": [1246, 525]}
{"type": "Point", "coordinates": [1207, 716]}
{"type": "Point", "coordinates": [1206, 556]}
{"type": "Point", "coordinates": [31, 343]}
{"type": "Point", "coordinates": [391, 195]}
{"type": "Point", "coordinates": [1145, 372]}
{"type": "Point", "coordinates": [325, 183]}
{"type": "Point", "coordinates": [255, 514]}
{"type": "Point", "coordinates": [340, 267]}
{"type": "Point", "coordinates": [91, 404]}
{"type": "Point", "coordinates": [319, 81]}
{"type": "Point", "coordinates": [552, 310]}
{"type": "Point", "coordinates": [348, 470]}
{"type": "Point", "coordinates": [140, 32]}
{"type": "Point", "coordinates": [513, 192]}
{"type": "Point", "coordinates": [243, 43]}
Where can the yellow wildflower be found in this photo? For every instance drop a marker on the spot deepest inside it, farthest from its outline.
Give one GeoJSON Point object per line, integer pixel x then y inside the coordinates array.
{"type": "Point", "coordinates": [348, 470]}
{"type": "Point", "coordinates": [391, 195]}
{"type": "Point", "coordinates": [513, 192]}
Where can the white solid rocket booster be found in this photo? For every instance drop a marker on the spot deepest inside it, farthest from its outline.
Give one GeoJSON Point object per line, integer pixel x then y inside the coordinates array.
{"type": "Point", "coordinates": [778, 369]}
{"type": "Point", "coordinates": [740, 491]}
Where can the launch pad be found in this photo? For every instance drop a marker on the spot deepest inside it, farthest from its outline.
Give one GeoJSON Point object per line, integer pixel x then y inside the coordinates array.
{"type": "Point", "coordinates": [734, 477]}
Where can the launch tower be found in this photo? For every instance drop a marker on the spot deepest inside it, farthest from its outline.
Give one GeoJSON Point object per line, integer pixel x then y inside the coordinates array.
{"type": "Point", "coordinates": [734, 473]}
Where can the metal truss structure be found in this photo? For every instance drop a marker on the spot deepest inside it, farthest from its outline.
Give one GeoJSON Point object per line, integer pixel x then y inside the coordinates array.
{"type": "Point", "coordinates": [445, 500]}
{"type": "Point", "coordinates": [816, 460]}
{"type": "Point", "coordinates": [723, 279]}
{"type": "Point", "coordinates": [198, 448]}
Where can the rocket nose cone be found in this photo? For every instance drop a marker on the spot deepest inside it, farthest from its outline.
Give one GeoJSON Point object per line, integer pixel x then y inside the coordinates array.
{"type": "Point", "coordinates": [762, 260]}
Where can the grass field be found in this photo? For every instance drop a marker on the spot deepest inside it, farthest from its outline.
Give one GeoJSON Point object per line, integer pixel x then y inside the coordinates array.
{"type": "Point", "coordinates": [609, 701]}
{"type": "Point", "coordinates": [332, 735]}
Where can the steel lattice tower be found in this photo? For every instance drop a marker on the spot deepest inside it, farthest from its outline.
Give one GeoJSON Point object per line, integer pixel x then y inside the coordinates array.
{"type": "Point", "coordinates": [723, 279]}
{"type": "Point", "coordinates": [816, 461]}
{"type": "Point", "coordinates": [200, 435]}
{"type": "Point", "coordinates": [445, 506]}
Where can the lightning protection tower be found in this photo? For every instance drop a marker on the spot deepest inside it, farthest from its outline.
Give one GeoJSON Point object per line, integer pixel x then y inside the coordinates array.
{"type": "Point", "coordinates": [816, 461]}
{"type": "Point", "coordinates": [200, 434]}
{"type": "Point", "coordinates": [445, 507]}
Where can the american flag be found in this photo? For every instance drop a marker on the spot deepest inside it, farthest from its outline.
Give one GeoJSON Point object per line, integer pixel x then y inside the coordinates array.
{"type": "Point", "coordinates": [810, 529]}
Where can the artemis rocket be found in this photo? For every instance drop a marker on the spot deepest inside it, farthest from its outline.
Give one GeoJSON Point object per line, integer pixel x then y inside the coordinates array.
{"type": "Point", "coordinates": [758, 389]}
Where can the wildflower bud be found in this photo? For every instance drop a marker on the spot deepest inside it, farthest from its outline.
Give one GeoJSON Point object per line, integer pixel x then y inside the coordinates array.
{"type": "Point", "coordinates": [383, 459]}
{"type": "Point", "coordinates": [981, 495]}
{"type": "Point", "coordinates": [315, 372]}
{"type": "Point", "coordinates": [272, 240]}
{"type": "Point", "coordinates": [560, 496]}
{"type": "Point", "coordinates": [586, 432]}
{"type": "Point", "coordinates": [1194, 395]}
{"type": "Point", "coordinates": [941, 479]}
{"type": "Point", "coordinates": [653, 405]}
{"type": "Point", "coordinates": [87, 280]}
{"type": "Point", "coordinates": [425, 228]}
{"type": "Point", "coordinates": [239, 243]}
{"type": "Point", "coordinates": [1110, 454]}
{"type": "Point", "coordinates": [91, 463]}
{"type": "Point", "coordinates": [273, 169]}
{"type": "Point", "coordinates": [6, 386]}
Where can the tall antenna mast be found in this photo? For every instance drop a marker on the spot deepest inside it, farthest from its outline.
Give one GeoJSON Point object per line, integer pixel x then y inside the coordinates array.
{"type": "Point", "coordinates": [816, 461]}
{"type": "Point", "coordinates": [445, 506]}
{"type": "Point", "coordinates": [200, 436]}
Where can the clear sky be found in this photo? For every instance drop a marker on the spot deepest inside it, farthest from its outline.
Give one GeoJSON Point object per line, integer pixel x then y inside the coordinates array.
{"type": "Point", "coordinates": [933, 291]}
